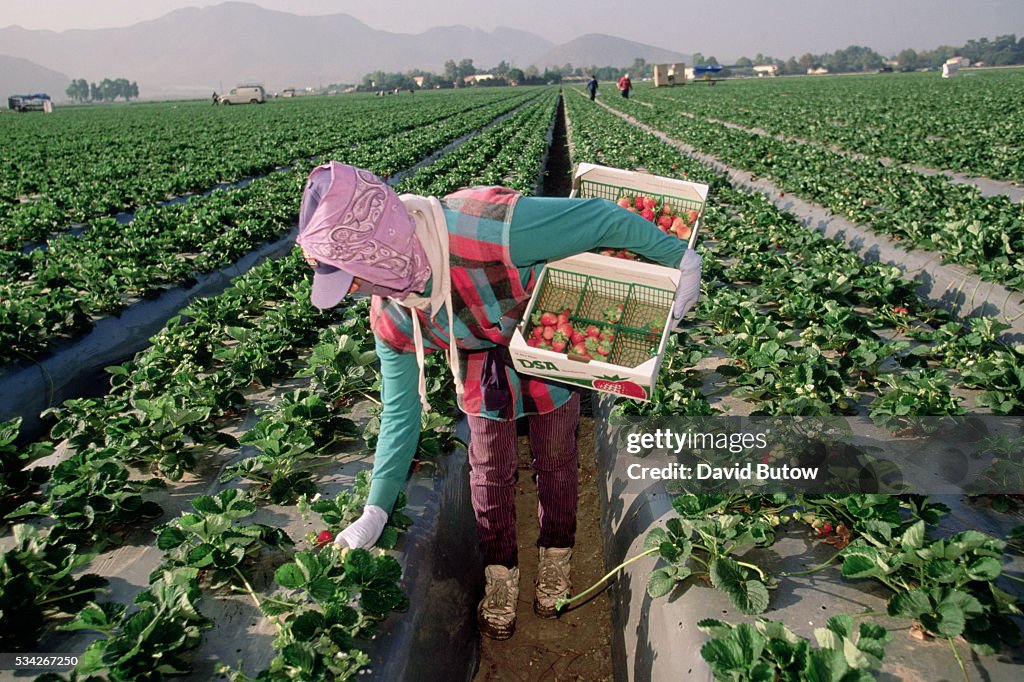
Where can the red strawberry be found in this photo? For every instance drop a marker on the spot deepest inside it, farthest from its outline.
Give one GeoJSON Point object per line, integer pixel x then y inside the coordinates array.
{"type": "Point", "coordinates": [577, 337]}
{"type": "Point", "coordinates": [537, 333]}
{"type": "Point", "coordinates": [666, 209]}
{"type": "Point", "coordinates": [624, 202]}
{"type": "Point", "coordinates": [562, 318]}
{"type": "Point", "coordinates": [648, 214]}
{"type": "Point", "coordinates": [533, 342]}
{"type": "Point", "coordinates": [558, 345]}
{"type": "Point", "coordinates": [580, 349]}
{"type": "Point", "coordinates": [665, 222]}
{"type": "Point", "coordinates": [691, 217]}
{"type": "Point", "coordinates": [592, 331]}
{"type": "Point", "coordinates": [549, 319]}
{"type": "Point", "coordinates": [549, 333]}
{"type": "Point", "coordinates": [620, 386]}
{"type": "Point", "coordinates": [324, 538]}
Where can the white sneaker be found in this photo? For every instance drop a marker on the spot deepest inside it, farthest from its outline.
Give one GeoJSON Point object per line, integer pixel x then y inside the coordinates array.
{"type": "Point", "coordinates": [496, 614]}
{"type": "Point", "coordinates": [553, 582]}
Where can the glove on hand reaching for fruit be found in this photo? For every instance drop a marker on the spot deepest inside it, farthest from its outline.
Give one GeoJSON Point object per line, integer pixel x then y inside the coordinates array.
{"type": "Point", "coordinates": [364, 531]}
{"type": "Point", "coordinates": [688, 290]}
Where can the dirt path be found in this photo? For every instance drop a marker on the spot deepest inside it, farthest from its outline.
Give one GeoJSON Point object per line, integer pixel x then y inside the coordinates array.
{"type": "Point", "coordinates": [576, 646]}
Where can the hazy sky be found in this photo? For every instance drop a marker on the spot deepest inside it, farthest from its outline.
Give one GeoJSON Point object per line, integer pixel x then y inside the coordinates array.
{"type": "Point", "coordinates": [729, 29]}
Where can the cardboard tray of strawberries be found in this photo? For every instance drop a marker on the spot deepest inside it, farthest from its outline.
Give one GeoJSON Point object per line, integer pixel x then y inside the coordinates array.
{"type": "Point", "coordinates": [601, 320]}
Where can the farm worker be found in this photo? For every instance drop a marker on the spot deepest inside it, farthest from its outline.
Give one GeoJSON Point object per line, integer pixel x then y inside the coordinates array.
{"type": "Point", "coordinates": [592, 87]}
{"type": "Point", "coordinates": [458, 272]}
{"type": "Point", "coordinates": [215, 98]}
{"type": "Point", "coordinates": [625, 85]}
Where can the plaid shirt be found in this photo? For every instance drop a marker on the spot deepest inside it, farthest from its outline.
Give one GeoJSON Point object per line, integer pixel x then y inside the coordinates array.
{"type": "Point", "coordinates": [489, 296]}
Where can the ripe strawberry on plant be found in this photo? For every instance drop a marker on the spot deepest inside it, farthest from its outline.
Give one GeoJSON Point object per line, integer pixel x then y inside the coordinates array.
{"type": "Point", "coordinates": [324, 538]}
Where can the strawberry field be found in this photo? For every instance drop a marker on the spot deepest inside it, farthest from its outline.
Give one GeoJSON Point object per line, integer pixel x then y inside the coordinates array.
{"type": "Point", "coordinates": [152, 525]}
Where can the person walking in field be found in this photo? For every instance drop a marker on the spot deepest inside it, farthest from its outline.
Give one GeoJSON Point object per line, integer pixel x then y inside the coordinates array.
{"type": "Point", "coordinates": [215, 98]}
{"type": "Point", "coordinates": [625, 85]}
{"type": "Point", "coordinates": [592, 87]}
{"type": "Point", "coordinates": [455, 275]}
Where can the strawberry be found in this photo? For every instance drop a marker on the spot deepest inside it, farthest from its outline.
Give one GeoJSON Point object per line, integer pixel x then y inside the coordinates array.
{"type": "Point", "coordinates": [549, 319]}
{"type": "Point", "coordinates": [565, 329]}
{"type": "Point", "coordinates": [563, 318]}
{"type": "Point", "coordinates": [691, 217]}
{"type": "Point", "coordinates": [580, 349]}
{"type": "Point", "coordinates": [537, 333]}
{"type": "Point", "coordinates": [648, 214]}
{"type": "Point", "coordinates": [592, 331]}
{"type": "Point", "coordinates": [324, 538]}
{"type": "Point", "coordinates": [624, 202]}
{"type": "Point", "coordinates": [666, 209]}
{"type": "Point", "coordinates": [577, 337]}
{"type": "Point", "coordinates": [533, 342]}
{"type": "Point", "coordinates": [558, 345]}
{"type": "Point", "coordinates": [620, 387]}
{"type": "Point", "coordinates": [549, 333]}
{"type": "Point", "coordinates": [665, 221]}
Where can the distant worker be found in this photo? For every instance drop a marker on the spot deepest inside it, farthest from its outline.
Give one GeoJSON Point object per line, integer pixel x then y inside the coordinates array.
{"type": "Point", "coordinates": [592, 87]}
{"type": "Point", "coordinates": [215, 98]}
{"type": "Point", "coordinates": [625, 85]}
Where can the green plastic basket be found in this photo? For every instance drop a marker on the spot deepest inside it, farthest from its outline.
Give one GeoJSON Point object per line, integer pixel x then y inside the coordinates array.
{"type": "Point", "coordinates": [593, 300]}
{"type": "Point", "coordinates": [590, 189]}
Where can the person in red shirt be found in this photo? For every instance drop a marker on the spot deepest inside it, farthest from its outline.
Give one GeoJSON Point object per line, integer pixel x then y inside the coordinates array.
{"type": "Point", "coordinates": [625, 85]}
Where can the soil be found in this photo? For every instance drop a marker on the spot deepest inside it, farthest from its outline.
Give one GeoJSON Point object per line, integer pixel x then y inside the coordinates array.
{"type": "Point", "coordinates": [576, 645]}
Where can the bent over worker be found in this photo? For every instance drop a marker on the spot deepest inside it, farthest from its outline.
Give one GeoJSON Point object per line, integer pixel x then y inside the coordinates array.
{"type": "Point", "coordinates": [455, 275]}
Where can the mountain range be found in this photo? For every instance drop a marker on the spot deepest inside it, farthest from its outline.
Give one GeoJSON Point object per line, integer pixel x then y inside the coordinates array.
{"type": "Point", "coordinates": [189, 52]}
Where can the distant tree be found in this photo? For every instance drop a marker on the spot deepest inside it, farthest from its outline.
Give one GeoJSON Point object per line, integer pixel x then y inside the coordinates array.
{"type": "Point", "coordinates": [806, 62]}
{"type": "Point", "coordinates": [466, 68]}
{"type": "Point", "coordinates": [907, 59]}
{"type": "Point", "coordinates": [516, 75]}
{"type": "Point", "coordinates": [451, 70]}
{"type": "Point", "coordinates": [78, 90]}
{"type": "Point", "coordinates": [698, 59]}
{"type": "Point", "coordinates": [792, 67]}
{"type": "Point", "coordinates": [531, 73]}
{"type": "Point", "coordinates": [745, 61]}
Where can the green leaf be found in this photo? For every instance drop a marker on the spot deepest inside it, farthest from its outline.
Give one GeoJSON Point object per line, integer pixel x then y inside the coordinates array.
{"type": "Point", "coordinates": [749, 596]}
{"type": "Point", "coordinates": [307, 625]}
{"type": "Point", "coordinates": [290, 576]}
{"type": "Point", "coordinates": [985, 568]}
{"type": "Point", "coordinates": [170, 537]}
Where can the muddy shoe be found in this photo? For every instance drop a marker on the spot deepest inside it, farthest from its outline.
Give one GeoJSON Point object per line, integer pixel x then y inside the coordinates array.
{"type": "Point", "coordinates": [553, 581]}
{"type": "Point", "coordinates": [496, 614]}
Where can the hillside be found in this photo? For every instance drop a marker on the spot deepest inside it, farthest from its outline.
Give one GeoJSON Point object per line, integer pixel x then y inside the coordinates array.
{"type": "Point", "coordinates": [23, 77]}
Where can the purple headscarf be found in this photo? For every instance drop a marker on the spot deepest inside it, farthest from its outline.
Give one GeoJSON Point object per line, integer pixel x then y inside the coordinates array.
{"type": "Point", "coordinates": [352, 224]}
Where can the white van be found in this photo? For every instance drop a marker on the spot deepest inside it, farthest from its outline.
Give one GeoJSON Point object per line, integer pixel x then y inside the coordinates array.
{"type": "Point", "coordinates": [244, 94]}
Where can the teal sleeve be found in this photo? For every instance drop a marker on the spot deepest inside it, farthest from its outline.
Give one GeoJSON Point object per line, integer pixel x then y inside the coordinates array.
{"type": "Point", "coordinates": [399, 425]}
{"type": "Point", "coordinates": [549, 228]}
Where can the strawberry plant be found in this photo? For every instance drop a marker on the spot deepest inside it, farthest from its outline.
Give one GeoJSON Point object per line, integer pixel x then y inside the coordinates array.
{"type": "Point", "coordinates": [16, 480]}
{"type": "Point", "coordinates": [211, 540]}
{"type": "Point", "coordinates": [38, 581]}
{"type": "Point", "coordinates": [768, 650]}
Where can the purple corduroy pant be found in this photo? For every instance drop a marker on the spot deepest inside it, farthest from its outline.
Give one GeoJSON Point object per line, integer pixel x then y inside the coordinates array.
{"type": "Point", "coordinates": [494, 464]}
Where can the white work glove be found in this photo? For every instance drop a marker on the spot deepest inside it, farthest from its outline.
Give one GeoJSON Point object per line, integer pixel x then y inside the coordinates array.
{"type": "Point", "coordinates": [364, 531]}
{"type": "Point", "coordinates": [688, 290]}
